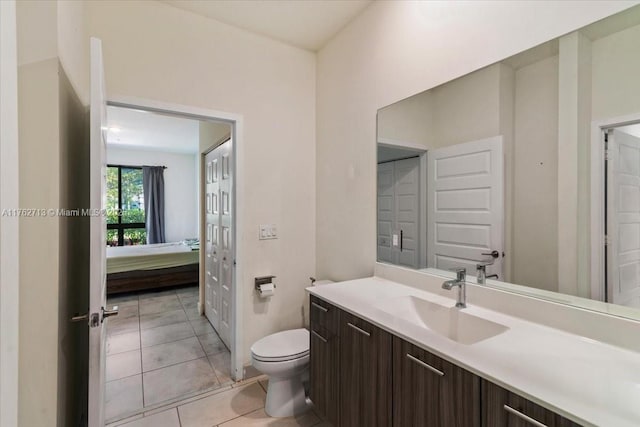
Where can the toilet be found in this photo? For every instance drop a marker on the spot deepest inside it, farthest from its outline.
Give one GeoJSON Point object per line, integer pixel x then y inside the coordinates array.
{"type": "Point", "coordinates": [284, 357]}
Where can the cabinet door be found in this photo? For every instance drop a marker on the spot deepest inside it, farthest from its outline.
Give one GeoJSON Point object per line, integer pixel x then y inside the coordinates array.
{"type": "Point", "coordinates": [502, 408]}
{"type": "Point", "coordinates": [324, 372]}
{"type": "Point", "coordinates": [429, 391]}
{"type": "Point", "coordinates": [365, 374]}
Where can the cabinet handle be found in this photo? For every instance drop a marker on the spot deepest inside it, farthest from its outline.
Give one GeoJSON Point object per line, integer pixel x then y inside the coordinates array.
{"type": "Point", "coordinates": [319, 307]}
{"type": "Point", "coordinates": [323, 339]}
{"type": "Point", "coordinates": [523, 416]}
{"type": "Point", "coordinates": [425, 365]}
{"type": "Point", "coordinates": [362, 331]}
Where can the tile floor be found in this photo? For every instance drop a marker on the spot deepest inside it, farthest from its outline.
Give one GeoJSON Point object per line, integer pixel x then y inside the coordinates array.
{"type": "Point", "coordinates": [159, 349]}
{"type": "Point", "coordinates": [237, 405]}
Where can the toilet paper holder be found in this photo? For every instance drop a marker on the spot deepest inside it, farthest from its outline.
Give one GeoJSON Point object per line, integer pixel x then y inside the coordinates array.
{"type": "Point", "coordinates": [263, 281]}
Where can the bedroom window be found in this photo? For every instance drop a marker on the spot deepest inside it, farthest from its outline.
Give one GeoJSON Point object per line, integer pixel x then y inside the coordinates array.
{"type": "Point", "coordinates": [125, 206]}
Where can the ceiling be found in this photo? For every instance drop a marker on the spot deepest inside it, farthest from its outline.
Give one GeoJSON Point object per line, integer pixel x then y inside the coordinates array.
{"type": "Point", "coordinates": [145, 130]}
{"type": "Point", "coordinates": [308, 24]}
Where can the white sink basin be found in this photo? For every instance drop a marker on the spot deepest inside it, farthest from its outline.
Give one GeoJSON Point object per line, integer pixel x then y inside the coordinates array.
{"type": "Point", "coordinates": [451, 322]}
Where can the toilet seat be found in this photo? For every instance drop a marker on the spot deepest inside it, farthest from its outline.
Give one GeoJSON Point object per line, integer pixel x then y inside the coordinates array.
{"type": "Point", "coordinates": [282, 346]}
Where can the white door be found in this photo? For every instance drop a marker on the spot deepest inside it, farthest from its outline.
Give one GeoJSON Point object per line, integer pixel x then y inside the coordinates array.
{"type": "Point", "coordinates": [226, 241]}
{"type": "Point", "coordinates": [386, 212]}
{"type": "Point", "coordinates": [623, 224]}
{"type": "Point", "coordinates": [398, 212]}
{"type": "Point", "coordinates": [212, 221]}
{"type": "Point", "coordinates": [465, 199]}
{"type": "Point", "coordinates": [98, 243]}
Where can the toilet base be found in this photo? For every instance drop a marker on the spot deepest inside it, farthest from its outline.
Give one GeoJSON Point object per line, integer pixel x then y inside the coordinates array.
{"type": "Point", "coordinates": [285, 396]}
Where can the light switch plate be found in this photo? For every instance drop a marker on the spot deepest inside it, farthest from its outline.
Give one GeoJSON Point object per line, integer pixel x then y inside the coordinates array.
{"type": "Point", "coordinates": [268, 232]}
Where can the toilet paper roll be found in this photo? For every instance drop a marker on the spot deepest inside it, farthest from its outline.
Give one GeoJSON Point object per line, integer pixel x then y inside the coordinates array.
{"type": "Point", "coordinates": [266, 290]}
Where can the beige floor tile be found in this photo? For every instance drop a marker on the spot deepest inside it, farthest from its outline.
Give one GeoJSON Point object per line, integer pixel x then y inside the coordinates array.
{"type": "Point", "coordinates": [193, 313]}
{"type": "Point", "coordinates": [259, 418]}
{"type": "Point", "coordinates": [160, 305]}
{"type": "Point", "coordinates": [127, 310]}
{"type": "Point", "coordinates": [123, 396]}
{"type": "Point", "coordinates": [123, 342]}
{"type": "Point", "coordinates": [178, 380]}
{"type": "Point", "coordinates": [212, 344]}
{"type": "Point", "coordinates": [148, 321]}
{"type": "Point", "coordinates": [201, 326]}
{"type": "Point", "coordinates": [157, 294]}
{"type": "Point", "coordinates": [222, 407]}
{"type": "Point", "coordinates": [187, 291]}
{"type": "Point", "coordinates": [162, 419]}
{"type": "Point", "coordinates": [159, 356]}
{"type": "Point", "coordinates": [167, 333]}
{"type": "Point", "coordinates": [221, 364]}
{"type": "Point", "coordinates": [122, 365]}
{"type": "Point", "coordinates": [189, 300]}
{"type": "Point", "coordinates": [122, 325]}
{"type": "Point", "coordinates": [123, 300]}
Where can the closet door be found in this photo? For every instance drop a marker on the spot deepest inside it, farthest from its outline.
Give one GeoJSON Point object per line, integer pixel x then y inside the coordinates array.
{"type": "Point", "coordinates": [212, 215]}
{"type": "Point", "coordinates": [226, 241]}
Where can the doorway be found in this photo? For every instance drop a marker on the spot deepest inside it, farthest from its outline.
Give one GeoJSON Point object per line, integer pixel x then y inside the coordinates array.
{"type": "Point", "coordinates": [622, 215]}
{"type": "Point", "coordinates": [180, 350]}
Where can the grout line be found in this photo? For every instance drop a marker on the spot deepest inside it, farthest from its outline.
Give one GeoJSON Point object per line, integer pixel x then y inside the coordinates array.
{"type": "Point", "coordinates": [179, 420]}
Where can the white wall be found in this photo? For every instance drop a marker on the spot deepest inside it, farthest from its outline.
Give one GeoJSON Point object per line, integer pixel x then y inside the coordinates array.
{"type": "Point", "coordinates": [180, 187]}
{"type": "Point", "coordinates": [535, 208]}
{"type": "Point", "coordinates": [155, 51]}
{"type": "Point", "coordinates": [391, 51]}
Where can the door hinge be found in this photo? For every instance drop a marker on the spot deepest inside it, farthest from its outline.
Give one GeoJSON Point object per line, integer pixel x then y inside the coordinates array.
{"type": "Point", "coordinates": [606, 240]}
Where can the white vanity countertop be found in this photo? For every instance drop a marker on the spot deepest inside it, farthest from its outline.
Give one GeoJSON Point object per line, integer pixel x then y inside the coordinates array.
{"type": "Point", "coordinates": [589, 382]}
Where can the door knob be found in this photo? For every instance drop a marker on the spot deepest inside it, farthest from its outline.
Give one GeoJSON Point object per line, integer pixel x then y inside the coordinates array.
{"type": "Point", "coordinates": [494, 254]}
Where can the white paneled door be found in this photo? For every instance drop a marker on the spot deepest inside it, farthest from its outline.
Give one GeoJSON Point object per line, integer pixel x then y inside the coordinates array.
{"type": "Point", "coordinates": [465, 199]}
{"type": "Point", "coordinates": [399, 212]}
{"type": "Point", "coordinates": [219, 234]}
{"type": "Point", "coordinates": [623, 219]}
{"type": "Point", "coordinates": [98, 243]}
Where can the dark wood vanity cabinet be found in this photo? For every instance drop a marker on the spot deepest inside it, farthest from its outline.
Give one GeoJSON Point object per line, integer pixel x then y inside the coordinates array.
{"type": "Point", "coordinates": [361, 375]}
{"type": "Point", "coordinates": [324, 358]}
{"type": "Point", "coordinates": [365, 374]}
{"type": "Point", "coordinates": [502, 408]}
{"type": "Point", "coordinates": [429, 391]}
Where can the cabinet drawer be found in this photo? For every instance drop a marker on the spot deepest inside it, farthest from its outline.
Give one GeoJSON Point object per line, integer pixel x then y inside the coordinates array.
{"type": "Point", "coordinates": [501, 408]}
{"type": "Point", "coordinates": [324, 314]}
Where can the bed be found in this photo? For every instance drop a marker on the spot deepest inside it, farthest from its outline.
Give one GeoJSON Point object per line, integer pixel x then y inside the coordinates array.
{"type": "Point", "coordinates": [140, 267]}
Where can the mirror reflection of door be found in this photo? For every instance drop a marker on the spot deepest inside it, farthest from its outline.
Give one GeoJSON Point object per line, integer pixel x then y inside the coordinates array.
{"type": "Point", "coordinates": [399, 207]}
{"type": "Point", "coordinates": [623, 216]}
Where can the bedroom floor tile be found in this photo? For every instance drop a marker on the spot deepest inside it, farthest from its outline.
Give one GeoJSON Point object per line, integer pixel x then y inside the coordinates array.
{"type": "Point", "coordinates": [160, 356]}
{"type": "Point", "coordinates": [156, 294]}
{"type": "Point", "coordinates": [212, 344]}
{"type": "Point", "coordinates": [122, 325]}
{"type": "Point", "coordinates": [123, 342]}
{"type": "Point", "coordinates": [123, 365]}
{"type": "Point", "coordinates": [178, 380]}
{"type": "Point", "coordinates": [148, 321]}
{"type": "Point", "coordinates": [167, 333]}
{"type": "Point", "coordinates": [159, 305]}
{"type": "Point", "coordinates": [123, 396]}
{"type": "Point", "coordinates": [201, 326]}
{"type": "Point", "coordinates": [221, 364]}
{"type": "Point", "coordinates": [123, 300]}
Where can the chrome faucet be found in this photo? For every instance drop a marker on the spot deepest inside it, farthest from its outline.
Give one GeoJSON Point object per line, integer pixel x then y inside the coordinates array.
{"type": "Point", "coordinates": [459, 281]}
{"type": "Point", "coordinates": [482, 277]}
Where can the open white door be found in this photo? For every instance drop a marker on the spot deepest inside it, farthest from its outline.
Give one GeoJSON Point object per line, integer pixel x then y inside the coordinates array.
{"type": "Point", "coordinates": [97, 245]}
{"type": "Point", "coordinates": [465, 211]}
{"type": "Point", "coordinates": [623, 219]}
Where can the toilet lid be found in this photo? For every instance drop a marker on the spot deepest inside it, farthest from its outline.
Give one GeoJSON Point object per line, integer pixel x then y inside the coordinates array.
{"type": "Point", "coordinates": [282, 345]}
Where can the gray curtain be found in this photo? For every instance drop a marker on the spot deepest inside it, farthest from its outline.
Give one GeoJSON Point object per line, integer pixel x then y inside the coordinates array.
{"type": "Point", "coordinates": [153, 185]}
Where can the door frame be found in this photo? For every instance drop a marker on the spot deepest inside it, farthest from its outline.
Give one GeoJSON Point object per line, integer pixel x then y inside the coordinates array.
{"type": "Point", "coordinates": [9, 199]}
{"type": "Point", "coordinates": [598, 202]}
{"type": "Point", "coordinates": [237, 135]}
